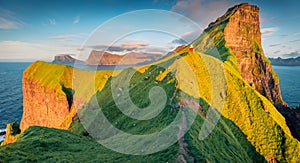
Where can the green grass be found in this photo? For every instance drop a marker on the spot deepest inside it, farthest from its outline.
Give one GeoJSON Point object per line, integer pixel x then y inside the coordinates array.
{"type": "Point", "coordinates": [39, 144]}
{"type": "Point", "coordinates": [226, 143]}
{"type": "Point", "coordinates": [60, 78]}
{"type": "Point", "coordinates": [250, 128]}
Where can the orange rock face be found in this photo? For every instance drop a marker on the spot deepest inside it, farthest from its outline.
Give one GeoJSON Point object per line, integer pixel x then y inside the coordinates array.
{"type": "Point", "coordinates": [43, 106]}
{"type": "Point", "coordinates": [243, 38]}
{"type": "Point", "coordinates": [12, 133]}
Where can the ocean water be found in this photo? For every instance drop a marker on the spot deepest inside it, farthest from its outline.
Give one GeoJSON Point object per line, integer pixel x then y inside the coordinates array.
{"type": "Point", "coordinates": [289, 78]}
{"type": "Point", "coordinates": [10, 92]}
{"type": "Point", "coordinates": [11, 89]}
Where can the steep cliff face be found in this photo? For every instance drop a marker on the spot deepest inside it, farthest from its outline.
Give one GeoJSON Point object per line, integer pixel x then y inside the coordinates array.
{"type": "Point", "coordinates": [48, 91]}
{"type": "Point", "coordinates": [44, 104]}
{"type": "Point", "coordinates": [237, 37]}
{"type": "Point", "coordinates": [243, 38]}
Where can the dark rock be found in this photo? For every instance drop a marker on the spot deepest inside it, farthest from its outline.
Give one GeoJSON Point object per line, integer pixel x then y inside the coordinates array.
{"type": "Point", "coordinates": [65, 59]}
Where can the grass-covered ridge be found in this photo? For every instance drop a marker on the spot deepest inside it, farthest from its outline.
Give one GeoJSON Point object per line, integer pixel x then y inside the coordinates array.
{"type": "Point", "coordinates": [250, 123]}
{"type": "Point", "coordinates": [250, 128]}
{"type": "Point", "coordinates": [226, 142]}
{"type": "Point", "coordinates": [56, 76]}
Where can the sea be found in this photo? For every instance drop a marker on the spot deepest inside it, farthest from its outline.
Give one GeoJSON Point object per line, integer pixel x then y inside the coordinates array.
{"type": "Point", "coordinates": [289, 79]}
{"type": "Point", "coordinates": [11, 100]}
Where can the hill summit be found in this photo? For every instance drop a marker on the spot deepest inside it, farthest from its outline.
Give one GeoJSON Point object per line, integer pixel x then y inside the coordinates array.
{"type": "Point", "coordinates": [237, 37]}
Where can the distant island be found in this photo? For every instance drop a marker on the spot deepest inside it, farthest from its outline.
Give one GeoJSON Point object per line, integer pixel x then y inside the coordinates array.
{"type": "Point", "coordinates": [65, 59]}
{"type": "Point", "coordinates": [285, 62]}
{"type": "Point", "coordinates": [104, 58]}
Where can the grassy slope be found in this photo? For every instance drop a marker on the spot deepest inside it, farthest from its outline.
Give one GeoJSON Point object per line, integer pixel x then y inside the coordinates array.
{"type": "Point", "coordinates": [53, 76]}
{"type": "Point", "coordinates": [48, 144]}
{"type": "Point", "coordinates": [226, 143]}
{"type": "Point", "coordinates": [249, 123]}
{"type": "Point", "coordinates": [255, 115]}
{"type": "Point", "coordinates": [264, 127]}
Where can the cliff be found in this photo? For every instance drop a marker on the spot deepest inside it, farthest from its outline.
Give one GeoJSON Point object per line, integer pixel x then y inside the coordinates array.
{"type": "Point", "coordinates": [131, 58]}
{"type": "Point", "coordinates": [250, 128]}
{"type": "Point", "coordinates": [48, 94]}
{"type": "Point", "coordinates": [243, 38]}
{"type": "Point", "coordinates": [237, 37]}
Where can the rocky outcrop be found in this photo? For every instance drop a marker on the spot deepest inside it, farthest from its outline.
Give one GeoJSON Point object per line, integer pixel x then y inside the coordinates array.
{"type": "Point", "coordinates": [12, 133]}
{"type": "Point", "coordinates": [131, 58]}
{"type": "Point", "coordinates": [48, 93]}
{"type": "Point", "coordinates": [237, 35]}
{"type": "Point", "coordinates": [43, 106]}
{"type": "Point", "coordinates": [65, 59]}
{"type": "Point", "coordinates": [243, 38]}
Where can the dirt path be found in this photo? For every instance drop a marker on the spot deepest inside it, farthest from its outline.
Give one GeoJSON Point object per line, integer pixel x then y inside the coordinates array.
{"type": "Point", "coordinates": [182, 144]}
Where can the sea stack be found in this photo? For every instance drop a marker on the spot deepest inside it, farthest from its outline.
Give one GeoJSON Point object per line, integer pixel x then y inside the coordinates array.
{"type": "Point", "coordinates": [237, 37]}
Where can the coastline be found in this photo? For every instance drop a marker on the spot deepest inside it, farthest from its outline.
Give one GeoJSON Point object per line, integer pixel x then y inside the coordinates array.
{"type": "Point", "coordinates": [2, 135]}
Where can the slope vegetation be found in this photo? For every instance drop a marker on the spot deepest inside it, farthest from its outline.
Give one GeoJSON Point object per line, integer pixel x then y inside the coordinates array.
{"type": "Point", "coordinates": [199, 87]}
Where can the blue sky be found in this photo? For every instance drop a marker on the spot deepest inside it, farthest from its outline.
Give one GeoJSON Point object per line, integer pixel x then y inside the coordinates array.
{"type": "Point", "coordinates": [36, 29]}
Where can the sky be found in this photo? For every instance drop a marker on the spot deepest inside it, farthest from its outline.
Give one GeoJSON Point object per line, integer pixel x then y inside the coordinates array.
{"type": "Point", "coordinates": [39, 30]}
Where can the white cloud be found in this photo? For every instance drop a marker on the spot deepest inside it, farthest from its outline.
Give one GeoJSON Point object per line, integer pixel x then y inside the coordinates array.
{"type": "Point", "coordinates": [291, 55]}
{"type": "Point", "coordinates": [269, 31]}
{"type": "Point", "coordinates": [80, 36]}
{"type": "Point", "coordinates": [120, 48]}
{"type": "Point", "coordinates": [202, 11]}
{"type": "Point", "coordinates": [42, 50]}
{"type": "Point", "coordinates": [52, 21]}
{"type": "Point", "coordinates": [76, 20]}
{"type": "Point", "coordinates": [16, 50]}
{"type": "Point", "coordinates": [296, 34]}
{"type": "Point", "coordinates": [8, 20]}
{"type": "Point", "coordinates": [187, 37]}
{"type": "Point", "coordinates": [135, 45]}
{"type": "Point", "coordinates": [8, 24]}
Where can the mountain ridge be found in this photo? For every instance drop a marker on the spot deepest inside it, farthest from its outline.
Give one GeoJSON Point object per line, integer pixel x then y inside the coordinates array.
{"type": "Point", "coordinates": [130, 58]}
{"type": "Point", "coordinates": [285, 61]}
{"type": "Point", "coordinates": [250, 128]}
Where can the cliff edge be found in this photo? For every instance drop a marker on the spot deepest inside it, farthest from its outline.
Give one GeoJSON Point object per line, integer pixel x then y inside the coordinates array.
{"type": "Point", "coordinates": [237, 37]}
